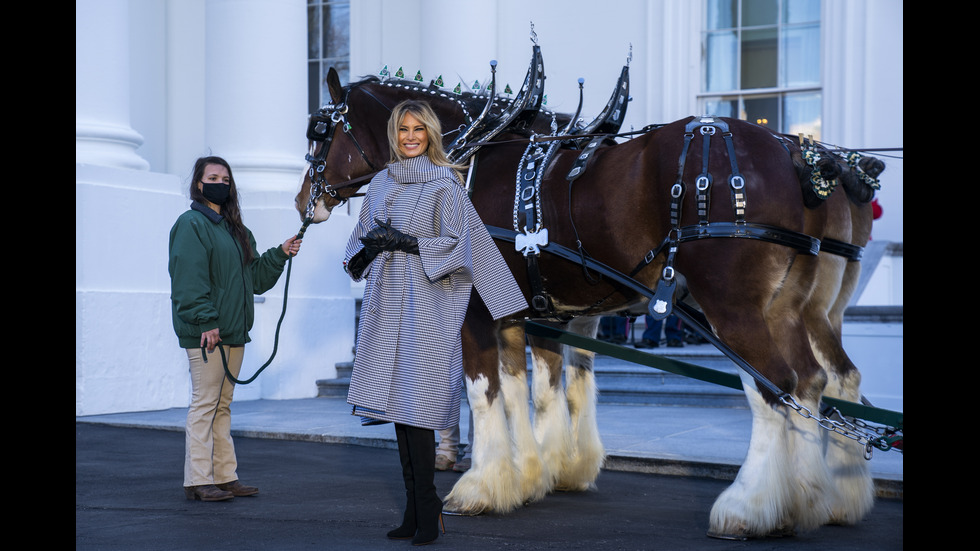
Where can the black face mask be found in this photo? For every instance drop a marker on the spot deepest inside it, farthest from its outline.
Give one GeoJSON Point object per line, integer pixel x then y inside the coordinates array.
{"type": "Point", "coordinates": [216, 193]}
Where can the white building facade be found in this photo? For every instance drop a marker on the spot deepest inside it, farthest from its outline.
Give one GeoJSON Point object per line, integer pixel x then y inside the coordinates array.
{"type": "Point", "coordinates": [162, 82]}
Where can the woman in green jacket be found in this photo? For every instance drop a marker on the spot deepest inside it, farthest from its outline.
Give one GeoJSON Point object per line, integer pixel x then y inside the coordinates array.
{"type": "Point", "coordinates": [215, 270]}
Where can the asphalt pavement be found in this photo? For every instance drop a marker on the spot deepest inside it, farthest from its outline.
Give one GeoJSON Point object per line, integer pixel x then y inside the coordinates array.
{"type": "Point", "coordinates": [327, 483]}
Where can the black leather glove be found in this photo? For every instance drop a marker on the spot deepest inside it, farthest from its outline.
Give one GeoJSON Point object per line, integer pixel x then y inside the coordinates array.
{"type": "Point", "coordinates": [386, 238]}
{"type": "Point", "coordinates": [374, 243]}
{"type": "Point", "coordinates": [357, 264]}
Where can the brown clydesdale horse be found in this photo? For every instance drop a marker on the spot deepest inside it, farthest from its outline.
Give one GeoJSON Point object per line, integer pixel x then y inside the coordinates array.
{"type": "Point", "coordinates": [750, 287]}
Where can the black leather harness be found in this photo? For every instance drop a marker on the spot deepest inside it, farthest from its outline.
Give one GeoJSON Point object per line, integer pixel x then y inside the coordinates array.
{"type": "Point", "coordinates": [533, 240]}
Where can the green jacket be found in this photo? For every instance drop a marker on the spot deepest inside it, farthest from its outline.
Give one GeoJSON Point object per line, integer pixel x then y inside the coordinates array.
{"type": "Point", "coordinates": [209, 287]}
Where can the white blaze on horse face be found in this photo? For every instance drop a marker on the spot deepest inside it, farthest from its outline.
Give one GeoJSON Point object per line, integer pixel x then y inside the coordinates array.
{"type": "Point", "coordinates": [320, 212]}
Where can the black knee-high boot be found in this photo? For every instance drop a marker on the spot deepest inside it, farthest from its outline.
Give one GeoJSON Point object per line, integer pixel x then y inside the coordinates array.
{"type": "Point", "coordinates": [409, 527]}
{"type": "Point", "coordinates": [428, 505]}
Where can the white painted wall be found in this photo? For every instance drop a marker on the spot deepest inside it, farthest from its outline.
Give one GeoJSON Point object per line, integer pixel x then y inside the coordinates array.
{"type": "Point", "coordinates": [877, 350]}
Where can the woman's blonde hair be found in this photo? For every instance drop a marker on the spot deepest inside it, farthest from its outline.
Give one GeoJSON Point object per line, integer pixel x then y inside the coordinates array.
{"type": "Point", "coordinates": [433, 129]}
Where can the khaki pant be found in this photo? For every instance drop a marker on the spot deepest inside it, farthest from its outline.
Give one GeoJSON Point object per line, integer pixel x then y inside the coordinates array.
{"type": "Point", "coordinates": [209, 456]}
{"type": "Point", "coordinates": [449, 444]}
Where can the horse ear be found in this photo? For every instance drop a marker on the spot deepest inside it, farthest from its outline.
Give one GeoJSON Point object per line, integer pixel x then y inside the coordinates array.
{"type": "Point", "coordinates": [333, 84]}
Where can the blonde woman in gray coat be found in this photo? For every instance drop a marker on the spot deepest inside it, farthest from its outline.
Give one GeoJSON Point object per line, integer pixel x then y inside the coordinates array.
{"type": "Point", "coordinates": [422, 248]}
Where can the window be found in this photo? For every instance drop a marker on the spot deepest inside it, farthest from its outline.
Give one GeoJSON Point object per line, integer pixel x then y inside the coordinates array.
{"type": "Point", "coordinates": [328, 25]}
{"type": "Point", "coordinates": [761, 63]}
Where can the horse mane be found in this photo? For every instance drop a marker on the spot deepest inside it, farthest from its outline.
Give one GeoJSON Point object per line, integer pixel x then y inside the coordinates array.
{"type": "Point", "coordinates": [470, 102]}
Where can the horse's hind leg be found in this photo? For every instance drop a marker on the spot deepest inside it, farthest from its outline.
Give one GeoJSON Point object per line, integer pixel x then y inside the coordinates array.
{"type": "Point", "coordinates": [588, 455]}
{"type": "Point", "coordinates": [782, 484]}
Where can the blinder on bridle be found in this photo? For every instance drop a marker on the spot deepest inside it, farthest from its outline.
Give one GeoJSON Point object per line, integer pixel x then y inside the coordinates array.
{"type": "Point", "coordinates": [321, 129]}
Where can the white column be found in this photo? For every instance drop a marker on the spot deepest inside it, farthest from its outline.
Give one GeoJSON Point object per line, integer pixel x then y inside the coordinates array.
{"type": "Point", "coordinates": [256, 92]}
{"type": "Point", "coordinates": [103, 135]}
{"type": "Point", "coordinates": [256, 116]}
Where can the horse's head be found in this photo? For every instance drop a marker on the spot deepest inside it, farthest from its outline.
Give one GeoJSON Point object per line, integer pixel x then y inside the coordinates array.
{"type": "Point", "coordinates": [345, 148]}
{"type": "Point", "coordinates": [348, 142]}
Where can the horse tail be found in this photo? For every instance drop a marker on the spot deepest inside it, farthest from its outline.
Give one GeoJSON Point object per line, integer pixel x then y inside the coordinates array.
{"type": "Point", "coordinates": [827, 168]}
{"type": "Point", "coordinates": [859, 180]}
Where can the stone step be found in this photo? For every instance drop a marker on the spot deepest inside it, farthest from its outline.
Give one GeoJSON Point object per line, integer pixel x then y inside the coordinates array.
{"type": "Point", "coordinates": [332, 388]}
{"type": "Point", "coordinates": [622, 382]}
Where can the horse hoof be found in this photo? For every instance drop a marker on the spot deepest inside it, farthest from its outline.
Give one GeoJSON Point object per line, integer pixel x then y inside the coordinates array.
{"type": "Point", "coordinates": [570, 487]}
{"type": "Point", "coordinates": [451, 513]}
{"type": "Point", "coordinates": [720, 536]}
{"type": "Point", "coordinates": [784, 532]}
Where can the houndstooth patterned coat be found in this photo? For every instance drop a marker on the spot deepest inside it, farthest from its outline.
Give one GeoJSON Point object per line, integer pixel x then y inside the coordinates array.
{"type": "Point", "coordinates": [408, 365]}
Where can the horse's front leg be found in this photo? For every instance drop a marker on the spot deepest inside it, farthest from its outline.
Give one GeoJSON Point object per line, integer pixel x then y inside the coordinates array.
{"type": "Point", "coordinates": [535, 481]}
{"type": "Point", "coordinates": [783, 484]}
{"type": "Point", "coordinates": [492, 483]}
{"type": "Point", "coordinates": [845, 458]}
{"type": "Point", "coordinates": [851, 473]}
{"type": "Point", "coordinates": [552, 425]}
{"type": "Point", "coordinates": [802, 290]}
{"type": "Point", "coordinates": [756, 503]}
{"type": "Point", "coordinates": [588, 453]}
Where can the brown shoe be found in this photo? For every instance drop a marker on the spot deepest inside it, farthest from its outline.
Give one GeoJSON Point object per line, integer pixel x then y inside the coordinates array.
{"type": "Point", "coordinates": [207, 492]}
{"type": "Point", "coordinates": [443, 463]}
{"type": "Point", "coordinates": [462, 465]}
{"type": "Point", "coordinates": [238, 489]}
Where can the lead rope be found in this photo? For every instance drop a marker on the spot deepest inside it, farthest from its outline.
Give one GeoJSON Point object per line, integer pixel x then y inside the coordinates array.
{"type": "Point", "coordinates": [275, 344]}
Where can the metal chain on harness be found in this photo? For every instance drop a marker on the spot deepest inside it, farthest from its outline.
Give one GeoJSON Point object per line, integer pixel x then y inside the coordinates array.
{"type": "Point", "coordinates": [872, 437]}
{"type": "Point", "coordinates": [855, 430]}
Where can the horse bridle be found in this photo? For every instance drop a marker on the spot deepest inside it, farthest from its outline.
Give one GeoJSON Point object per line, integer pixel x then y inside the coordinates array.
{"type": "Point", "coordinates": [321, 129]}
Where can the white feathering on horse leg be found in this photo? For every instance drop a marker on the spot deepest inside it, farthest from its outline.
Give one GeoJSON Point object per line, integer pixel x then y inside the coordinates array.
{"type": "Point", "coordinates": [757, 503]}
{"type": "Point", "coordinates": [534, 479]}
{"type": "Point", "coordinates": [552, 425]}
{"type": "Point", "coordinates": [845, 458]}
{"type": "Point", "coordinates": [812, 483]}
{"type": "Point", "coordinates": [491, 482]}
{"type": "Point", "coordinates": [589, 453]}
